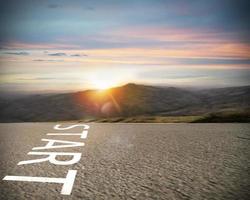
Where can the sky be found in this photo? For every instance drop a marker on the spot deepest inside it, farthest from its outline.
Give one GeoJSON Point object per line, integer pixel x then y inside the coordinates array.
{"type": "Point", "coordinates": [62, 45]}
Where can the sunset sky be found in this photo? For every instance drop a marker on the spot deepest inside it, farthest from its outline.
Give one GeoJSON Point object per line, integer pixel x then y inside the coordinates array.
{"type": "Point", "coordinates": [63, 45]}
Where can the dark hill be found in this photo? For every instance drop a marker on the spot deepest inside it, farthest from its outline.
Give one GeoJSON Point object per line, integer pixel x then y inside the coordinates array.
{"type": "Point", "coordinates": [125, 101]}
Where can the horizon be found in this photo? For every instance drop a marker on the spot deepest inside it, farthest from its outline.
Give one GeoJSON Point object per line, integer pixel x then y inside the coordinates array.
{"type": "Point", "coordinates": [78, 45]}
{"type": "Point", "coordinates": [22, 94]}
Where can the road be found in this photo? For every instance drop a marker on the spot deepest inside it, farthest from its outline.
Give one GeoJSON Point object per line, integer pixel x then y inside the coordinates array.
{"type": "Point", "coordinates": [133, 161]}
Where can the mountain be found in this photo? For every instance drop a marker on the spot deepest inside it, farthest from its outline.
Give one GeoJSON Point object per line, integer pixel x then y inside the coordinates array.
{"type": "Point", "coordinates": [126, 101]}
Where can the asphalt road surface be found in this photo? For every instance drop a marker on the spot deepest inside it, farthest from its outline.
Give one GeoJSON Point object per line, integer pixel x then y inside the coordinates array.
{"type": "Point", "coordinates": [132, 161]}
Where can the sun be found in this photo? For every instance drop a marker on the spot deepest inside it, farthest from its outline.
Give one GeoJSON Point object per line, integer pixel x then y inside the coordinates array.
{"type": "Point", "coordinates": [103, 84]}
{"type": "Point", "coordinates": [106, 79]}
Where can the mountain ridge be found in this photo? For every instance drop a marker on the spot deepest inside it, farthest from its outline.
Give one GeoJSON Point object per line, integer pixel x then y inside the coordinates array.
{"type": "Point", "coordinates": [125, 101]}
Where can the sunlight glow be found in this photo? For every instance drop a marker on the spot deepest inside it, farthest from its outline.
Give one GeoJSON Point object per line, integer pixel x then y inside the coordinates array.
{"type": "Point", "coordinates": [103, 81]}
{"type": "Point", "coordinates": [103, 84]}
{"type": "Point", "coordinates": [108, 78]}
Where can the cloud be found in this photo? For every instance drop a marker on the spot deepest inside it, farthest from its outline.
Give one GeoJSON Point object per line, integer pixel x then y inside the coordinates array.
{"type": "Point", "coordinates": [65, 54]}
{"type": "Point", "coordinates": [21, 53]}
{"type": "Point", "coordinates": [36, 45]}
{"type": "Point", "coordinates": [48, 60]}
{"type": "Point", "coordinates": [164, 74]}
{"type": "Point", "coordinates": [90, 8]}
{"type": "Point", "coordinates": [36, 78]}
{"type": "Point", "coordinates": [78, 55]}
{"type": "Point", "coordinates": [57, 54]}
{"type": "Point", "coordinates": [53, 6]}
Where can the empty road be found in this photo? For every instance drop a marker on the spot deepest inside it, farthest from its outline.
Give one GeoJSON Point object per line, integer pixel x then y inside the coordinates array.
{"type": "Point", "coordinates": [131, 161]}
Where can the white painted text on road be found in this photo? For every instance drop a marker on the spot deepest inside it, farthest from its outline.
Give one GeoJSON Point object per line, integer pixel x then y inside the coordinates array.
{"type": "Point", "coordinates": [67, 182]}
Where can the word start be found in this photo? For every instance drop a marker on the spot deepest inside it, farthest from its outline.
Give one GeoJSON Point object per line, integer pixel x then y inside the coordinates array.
{"type": "Point", "coordinates": [68, 181]}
